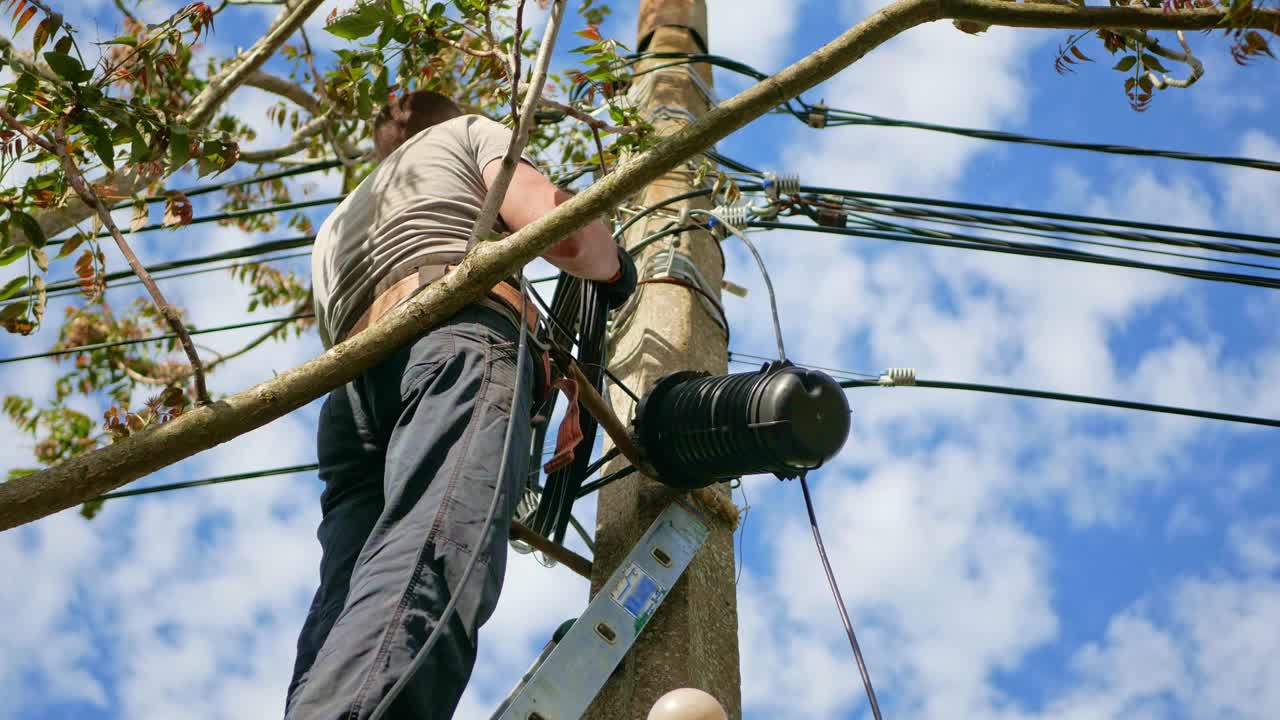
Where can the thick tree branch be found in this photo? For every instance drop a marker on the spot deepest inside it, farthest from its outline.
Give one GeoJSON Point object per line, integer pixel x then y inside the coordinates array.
{"type": "Point", "coordinates": [80, 478]}
{"type": "Point", "coordinates": [1063, 17]}
{"type": "Point", "coordinates": [238, 71]}
{"type": "Point", "coordinates": [301, 138]}
{"type": "Point", "coordinates": [285, 88]}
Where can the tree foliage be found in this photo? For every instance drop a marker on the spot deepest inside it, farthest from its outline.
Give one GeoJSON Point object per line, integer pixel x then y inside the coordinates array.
{"type": "Point", "coordinates": [133, 113]}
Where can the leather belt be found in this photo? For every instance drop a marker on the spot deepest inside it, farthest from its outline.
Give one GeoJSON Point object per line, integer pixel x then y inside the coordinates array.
{"type": "Point", "coordinates": [406, 280]}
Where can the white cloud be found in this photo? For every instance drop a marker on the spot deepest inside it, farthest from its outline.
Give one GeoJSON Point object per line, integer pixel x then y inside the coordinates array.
{"type": "Point", "coordinates": [1249, 196]}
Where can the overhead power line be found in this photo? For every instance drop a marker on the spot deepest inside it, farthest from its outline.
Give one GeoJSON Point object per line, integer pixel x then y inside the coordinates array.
{"type": "Point", "coordinates": [838, 118]}
{"type": "Point", "coordinates": [1067, 397]}
{"type": "Point", "coordinates": [235, 254]}
{"type": "Point", "coordinates": [820, 116]}
{"type": "Point", "coordinates": [965, 242]}
{"type": "Point", "coordinates": [1068, 217]}
{"type": "Point", "coordinates": [252, 180]}
{"type": "Point", "coordinates": [922, 213]}
{"type": "Point", "coordinates": [151, 338]}
{"type": "Point", "coordinates": [234, 215]}
{"type": "Point", "coordinates": [208, 481]}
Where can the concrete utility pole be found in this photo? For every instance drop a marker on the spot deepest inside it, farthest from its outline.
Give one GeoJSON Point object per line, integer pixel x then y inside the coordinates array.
{"type": "Point", "coordinates": [693, 639]}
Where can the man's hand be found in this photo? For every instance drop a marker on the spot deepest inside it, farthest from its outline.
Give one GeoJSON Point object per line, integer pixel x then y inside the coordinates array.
{"type": "Point", "coordinates": [618, 288]}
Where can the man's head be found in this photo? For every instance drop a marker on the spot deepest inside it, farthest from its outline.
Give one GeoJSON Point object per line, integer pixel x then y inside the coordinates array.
{"type": "Point", "coordinates": [408, 115]}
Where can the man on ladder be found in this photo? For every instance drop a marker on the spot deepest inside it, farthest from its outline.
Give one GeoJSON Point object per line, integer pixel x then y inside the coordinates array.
{"type": "Point", "coordinates": [410, 451]}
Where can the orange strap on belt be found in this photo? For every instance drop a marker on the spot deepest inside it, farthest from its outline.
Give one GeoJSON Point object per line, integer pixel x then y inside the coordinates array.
{"type": "Point", "coordinates": [570, 433]}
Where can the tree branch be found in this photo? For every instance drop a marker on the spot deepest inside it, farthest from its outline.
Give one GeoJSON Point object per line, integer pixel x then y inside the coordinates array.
{"type": "Point", "coordinates": [285, 88]}
{"type": "Point", "coordinates": [301, 138]}
{"type": "Point", "coordinates": [591, 121]}
{"type": "Point", "coordinates": [1063, 17]}
{"type": "Point", "coordinates": [234, 74]}
{"type": "Point", "coordinates": [498, 190]}
{"type": "Point", "coordinates": [237, 72]}
{"type": "Point", "coordinates": [1154, 47]}
{"type": "Point", "coordinates": [167, 311]}
{"type": "Point", "coordinates": [27, 60]}
{"type": "Point", "coordinates": [91, 474]}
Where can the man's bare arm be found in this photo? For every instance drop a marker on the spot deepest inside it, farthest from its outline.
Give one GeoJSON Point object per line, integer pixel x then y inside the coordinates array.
{"type": "Point", "coordinates": [587, 253]}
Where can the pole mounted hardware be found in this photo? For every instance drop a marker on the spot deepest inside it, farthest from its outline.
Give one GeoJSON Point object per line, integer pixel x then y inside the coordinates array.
{"type": "Point", "coordinates": [698, 429]}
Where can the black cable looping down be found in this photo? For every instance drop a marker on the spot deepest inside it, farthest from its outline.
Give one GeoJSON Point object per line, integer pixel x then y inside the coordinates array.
{"type": "Point", "coordinates": [551, 519]}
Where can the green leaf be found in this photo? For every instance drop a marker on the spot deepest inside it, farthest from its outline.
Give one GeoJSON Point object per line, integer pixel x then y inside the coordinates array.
{"type": "Point", "coordinates": [13, 311]}
{"type": "Point", "coordinates": [29, 227]}
{"type": "Point", "coordinates": [139, 150]}
{"type": "Point", "coordinates": [67, 67]}
{"type": "Point", "coordinates": [1126, 63]}
{"type": "Point", "coordinates": [1151, 62]}
{"type": "Point", "coordinates": [179, 146]}
{"type": "Point", "coordinates": [397, 7]}
{"type": "Point", "coordinates": [358, 23]}
{"type": "Point", "coordinates": [12, 287]}
{"type": "Point", "coordinates": [100, 138]}
{"type": "Point", "coordinates": [12, 253]}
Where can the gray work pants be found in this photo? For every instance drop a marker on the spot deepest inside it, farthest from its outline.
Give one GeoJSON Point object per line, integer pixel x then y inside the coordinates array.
{"type": "Point", "coordinates": [409, 454]}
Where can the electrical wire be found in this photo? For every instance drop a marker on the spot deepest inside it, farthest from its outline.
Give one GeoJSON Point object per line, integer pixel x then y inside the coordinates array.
{"type": "Point", "coordinates": [207, 481]}
{"type": "Point", "coordinates": [253, 180]}
{"type": "Point", "coordinates": [1027, 249]}
{"type": "Point", "coordinates": [151, 338]}
{"type": "Point", "coordinates": [238, 253]}
{"type": "Point", "coordinates": [845, 117]}
{"type": "Point", "coordinates": [232, 215]}
{"type": "Point", "coordinates": [123, 283]}
{"type": "Point", "coordinates": [835, 591]}
{"type": "Point", "coordinates": [996, 227]}
{"type": "Point", "coordinates": [834, 117]}
{"type": "Point", "coordinates": [764, 271]}
{"type": "Point", "coordinates": [940, 216]}
{"type": "Point", "coordinates": [588, 488]}
{"type": "Point", "coordinates": [1048, 215]}
{"type": "Point", "coordinates": [522, 360]}
{"type": "Point", "coordinates": [1067, 397]}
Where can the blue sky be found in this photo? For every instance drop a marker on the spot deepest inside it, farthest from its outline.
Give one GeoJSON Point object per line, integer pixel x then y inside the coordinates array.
{"type": "Point", "coordinates": [1001, 558]}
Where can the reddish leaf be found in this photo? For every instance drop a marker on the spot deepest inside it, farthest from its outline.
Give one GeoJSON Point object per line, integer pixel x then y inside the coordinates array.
{"type": "Point", "coordinates": [591, 33]}
{"type": "Point", "coordinates": [177, 210]}
{"type": "Point", "coordinates": [1076, 51]}
{"type": "Point", "coordinates": [26, 17]}
{"type": "Point", "coordinates": [84, 265]}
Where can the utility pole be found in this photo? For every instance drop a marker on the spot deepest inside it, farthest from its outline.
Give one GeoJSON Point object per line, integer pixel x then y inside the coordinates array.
{"type": "Point", "coordinates": [692, 641]}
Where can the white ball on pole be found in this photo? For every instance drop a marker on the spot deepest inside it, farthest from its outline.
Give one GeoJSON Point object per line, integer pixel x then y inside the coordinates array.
{"type": "Point", "coordinates": [687, 704]}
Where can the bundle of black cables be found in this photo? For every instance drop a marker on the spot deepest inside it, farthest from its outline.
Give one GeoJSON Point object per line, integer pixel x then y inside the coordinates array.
{"type": "Point", "coordinates": [589, 313]}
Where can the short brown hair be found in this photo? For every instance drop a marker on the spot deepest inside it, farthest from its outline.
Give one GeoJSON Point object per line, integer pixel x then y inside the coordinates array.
{"type": "Point", "coordinates": [408, 115]}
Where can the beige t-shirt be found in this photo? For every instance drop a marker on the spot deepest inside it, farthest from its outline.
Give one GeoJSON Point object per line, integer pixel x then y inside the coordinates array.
{"type": "Point", "coordinates": [423, 198]}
